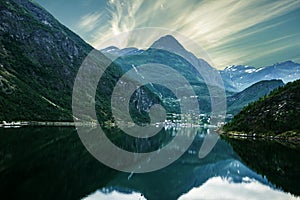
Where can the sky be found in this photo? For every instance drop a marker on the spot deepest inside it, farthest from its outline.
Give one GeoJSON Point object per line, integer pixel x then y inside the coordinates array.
{"type": "Point", "coordinates": [256, 33]}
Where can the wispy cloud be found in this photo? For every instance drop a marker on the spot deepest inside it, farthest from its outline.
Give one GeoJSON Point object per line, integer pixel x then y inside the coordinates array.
{"type": "Point", "coordinates": [212, 24]}
{"type": "Point", "coordinates": [89, 22]}
{"type": "Point", "coordinates": [123, 15]}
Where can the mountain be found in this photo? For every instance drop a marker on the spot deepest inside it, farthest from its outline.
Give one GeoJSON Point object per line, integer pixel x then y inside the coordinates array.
{"type": "Point", "coordinates": [276, 161]}
{"type": "Point", "coordinates": [39, 59]}
{"type": "Point", "coordinates": [167, 43]}
{"type": "Point", "coordinates": [276, 114]}
{"type": "Point", "coordinates": [170, 48]}
{"type": "Point", "coordinates": [115, 51]}
{"type": "Point", "coordinates": [181, 65]}
{"type": "Point", "coordinates": [236, 78]}
{"type": "Point", "coordinates": [170, 44]}
{"type": "Point", "coordinates": [236, 102]}
{"type": "Point", "coordinates": [239, 77]}
{"type": "Point", "coordinates": [169, 52]}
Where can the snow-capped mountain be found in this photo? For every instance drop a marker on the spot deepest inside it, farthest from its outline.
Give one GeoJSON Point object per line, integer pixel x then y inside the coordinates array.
{"type": "Point", "coordinates": [239, 77]}
{"type": "Point", "coordinates": [236, 78]}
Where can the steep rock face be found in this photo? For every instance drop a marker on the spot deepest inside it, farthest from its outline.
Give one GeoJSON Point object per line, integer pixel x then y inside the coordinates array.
{"type": "Point", "coordinates": [39, 59]}
{"type": "Point", "coordinates": [277, 113]}
{"type": "Point", "coordinates": [41, 38]}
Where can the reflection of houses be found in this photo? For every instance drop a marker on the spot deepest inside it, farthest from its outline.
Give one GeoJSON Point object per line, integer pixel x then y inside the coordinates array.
{"type": "Point", "coordinates": [188, 119]}
{"type": "Point", "coordinates": [12, 124]}
{"type": "Point", "coordinates": [193, 119]}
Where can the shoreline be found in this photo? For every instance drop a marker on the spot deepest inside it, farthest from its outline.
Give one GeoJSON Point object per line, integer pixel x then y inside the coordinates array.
{"type": "Point", "coordinates": [288, 136]}
{"type": "Point", "coordinates": [295, 137]}
{"type": "Point", "coordinates": [19, 124]}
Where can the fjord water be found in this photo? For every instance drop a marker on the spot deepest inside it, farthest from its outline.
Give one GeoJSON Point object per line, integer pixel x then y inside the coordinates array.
{"type": "Point", "coordinates": [52, 163]}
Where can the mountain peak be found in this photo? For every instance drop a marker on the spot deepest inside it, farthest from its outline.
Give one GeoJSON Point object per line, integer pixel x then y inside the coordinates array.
{"type": "Point", "coordinates": [168, 38]}
{"type": "Point", "coordinates": [167, 42]}
{"type": "Point", "coordinates": [288, 62]}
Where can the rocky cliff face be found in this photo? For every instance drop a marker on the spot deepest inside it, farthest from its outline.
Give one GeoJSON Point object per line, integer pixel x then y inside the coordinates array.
{"type": "Point", "coordinates": [39, 59]}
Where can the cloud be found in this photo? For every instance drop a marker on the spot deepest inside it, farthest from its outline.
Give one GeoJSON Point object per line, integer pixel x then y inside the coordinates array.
{"type": "Point", "coordinates": [212, 24]}
{"type": "Point", "coordinates": [218, 188]}
{"type": "Point", "coordinates": [123, 15]}
{"type": "Point", "coordinates": [89, 22]}
{"type": "Point", "coordinates": [256, 52]}
{"type": "Point", "coordinates": [114, 195]}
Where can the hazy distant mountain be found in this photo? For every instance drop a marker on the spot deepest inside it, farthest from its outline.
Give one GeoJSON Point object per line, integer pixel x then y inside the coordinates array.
{"type": "Point", "coordinates": [236, 102]}
{"type": "Point", "coordinates": [239, 77]}
{"type": "Point", "coordinates": [275, 114]}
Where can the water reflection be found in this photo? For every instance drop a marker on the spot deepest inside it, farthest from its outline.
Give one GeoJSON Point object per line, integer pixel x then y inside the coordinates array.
{"type": "Point", "coordinates": [279, 161]}
{"type": "Point", "coordinates": [220, 172]}
{"type": "Point", "coordinates": [217, 188]}
{"type": "Point", "coordinates": [115, 195]}
{"type": "Point", "coordinates": [52, 163]}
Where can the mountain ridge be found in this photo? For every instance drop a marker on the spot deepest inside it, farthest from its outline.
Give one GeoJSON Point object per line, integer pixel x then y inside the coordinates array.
{"type": "Point", "coordinates": [276, 114]}
{"type": "Point", "coordinates": [39, 61]}
{"type": "Point", "coordinates": [236, 102]}
{"type": "Point", "coordinates": [236, 78]}
{"type": "Point", "coordinates": [40, 58]}
{"type": "Point", "coordinates": [239, 77]}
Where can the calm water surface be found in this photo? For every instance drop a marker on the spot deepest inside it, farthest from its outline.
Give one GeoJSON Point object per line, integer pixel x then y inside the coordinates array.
{"type": "Point", "coordinates": [52, 163]}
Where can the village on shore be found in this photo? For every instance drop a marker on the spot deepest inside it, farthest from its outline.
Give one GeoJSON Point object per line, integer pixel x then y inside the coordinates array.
{"type": "Point", "coordinates": [173, 120]}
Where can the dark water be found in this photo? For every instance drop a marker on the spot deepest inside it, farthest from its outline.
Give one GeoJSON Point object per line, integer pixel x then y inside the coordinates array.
{"type": "Point", "coordinates": [52, 163]}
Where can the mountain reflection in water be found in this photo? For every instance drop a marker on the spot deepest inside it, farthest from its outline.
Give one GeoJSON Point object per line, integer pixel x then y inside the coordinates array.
{"type": "Point", "coordinates": [220, 175]}
{"type": "Point", "coordinates": [215, 188]}
{"type": "Point", "coordinates": [52, 163]}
